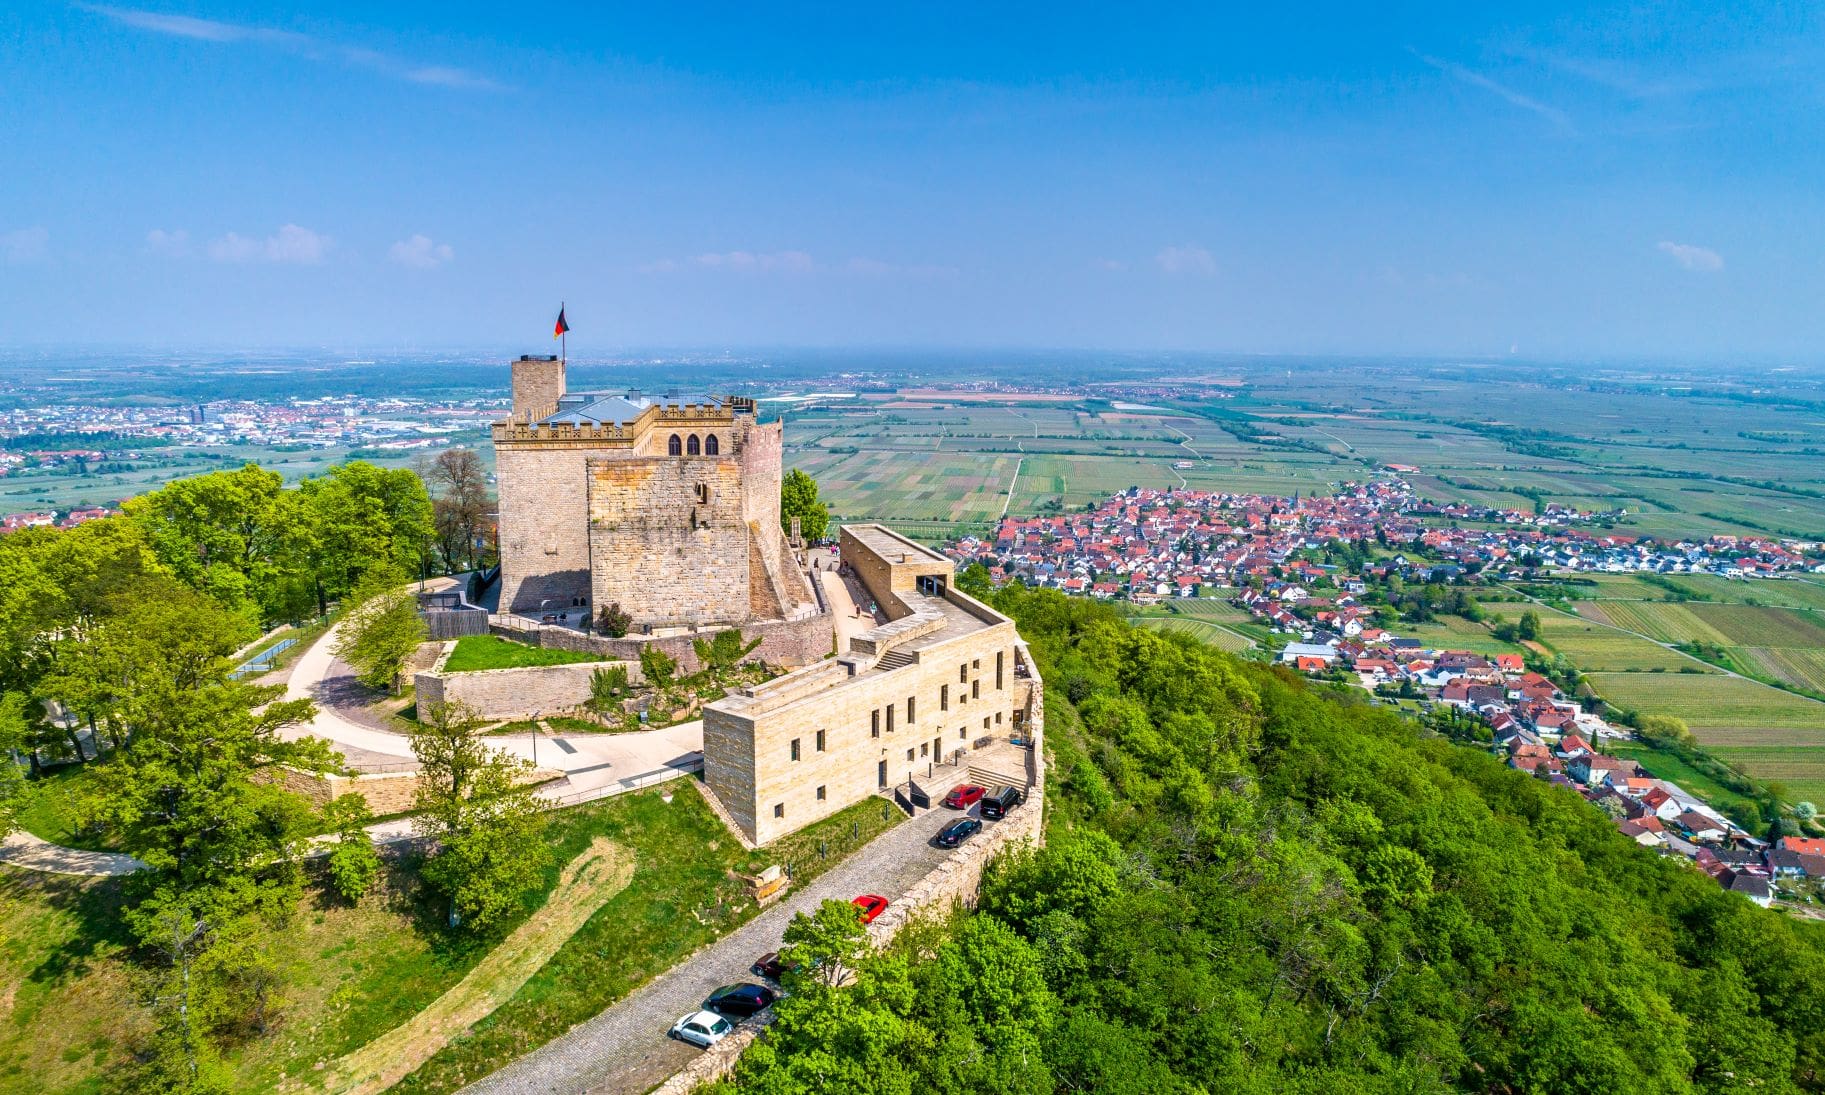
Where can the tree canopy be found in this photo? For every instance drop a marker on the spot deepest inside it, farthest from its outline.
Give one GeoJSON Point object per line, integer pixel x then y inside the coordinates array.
{"type": "Point", "coordinates": [798, 498]}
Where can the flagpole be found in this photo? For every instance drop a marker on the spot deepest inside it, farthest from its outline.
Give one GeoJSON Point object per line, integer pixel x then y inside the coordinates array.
{"type": "Point", "coordinates": [564, 339]}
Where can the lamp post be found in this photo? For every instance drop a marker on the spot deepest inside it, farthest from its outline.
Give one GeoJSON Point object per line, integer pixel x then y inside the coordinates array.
{"type": "Point", "coordinates": [535, 739]}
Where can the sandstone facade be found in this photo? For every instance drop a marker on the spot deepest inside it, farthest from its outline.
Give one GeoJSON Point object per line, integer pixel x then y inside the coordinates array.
{"type": "Point", "coordinates": [944, 675]}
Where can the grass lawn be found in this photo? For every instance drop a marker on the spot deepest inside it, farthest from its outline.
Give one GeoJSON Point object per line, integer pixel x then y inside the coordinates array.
{"type": "Point", "coordinates": [357, 972]}
{"type": "Point", "coordinates": [493, 652]}
{"type": "Point", "coordinates": [49, 812]}
{"type": "Point", "coordinates": [562, 724]}
{"type": "Point", "coordinates": [680, 898]}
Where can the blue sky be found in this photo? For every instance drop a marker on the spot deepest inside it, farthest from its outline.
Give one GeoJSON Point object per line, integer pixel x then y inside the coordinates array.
{"type": "Point", "coordinates": [1595, 183]}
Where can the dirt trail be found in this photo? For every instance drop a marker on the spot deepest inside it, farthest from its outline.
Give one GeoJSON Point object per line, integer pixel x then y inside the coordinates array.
{"type": "Point", "coordinates": [588, 881]}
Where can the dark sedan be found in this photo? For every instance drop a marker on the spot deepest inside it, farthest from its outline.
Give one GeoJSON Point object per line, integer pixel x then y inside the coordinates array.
{"type": "Point", "coordinates": [771, 966]}
{"type": "Point", "coordinates": [740, 1001]}
{"type": "Point", "coordinates": [957, 832]}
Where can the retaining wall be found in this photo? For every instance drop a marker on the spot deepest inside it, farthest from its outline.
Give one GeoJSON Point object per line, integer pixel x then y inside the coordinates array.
{"type": "Point", "coordinates": [517, 693]}
{"type": "Point", "coordinates": [785, 643]}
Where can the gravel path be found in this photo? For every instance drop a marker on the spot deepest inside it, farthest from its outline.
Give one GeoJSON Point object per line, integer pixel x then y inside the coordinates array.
{"type": "Point", "coordinates": [625, 1048]}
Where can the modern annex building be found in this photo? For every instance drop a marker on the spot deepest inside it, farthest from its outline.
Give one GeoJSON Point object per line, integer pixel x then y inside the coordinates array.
{"type": "Point", "coordinates": [669, 507]}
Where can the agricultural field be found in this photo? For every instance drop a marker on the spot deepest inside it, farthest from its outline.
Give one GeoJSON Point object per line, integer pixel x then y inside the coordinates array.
{"type": "Point", "coordinates": [1596, 647]}
{"type": "Point", "coordinates": [1203, 631]}
{"type": "Point", "coordinates": [1774, 735]}
{"type": "Point", "coordinates": [1782, 644]}
{"type": "Point", "coordinates": [1801, 667]}
{"type": "Point", "coordinates": [1455, 633]}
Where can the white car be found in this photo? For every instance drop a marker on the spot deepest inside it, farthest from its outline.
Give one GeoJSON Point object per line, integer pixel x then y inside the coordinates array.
{"type": "Point", "coordinates": [702, 1028]}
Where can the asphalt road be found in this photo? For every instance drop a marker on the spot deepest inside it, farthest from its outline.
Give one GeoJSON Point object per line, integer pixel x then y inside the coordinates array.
{"type": "Point", "coordinates": [626, 1049]}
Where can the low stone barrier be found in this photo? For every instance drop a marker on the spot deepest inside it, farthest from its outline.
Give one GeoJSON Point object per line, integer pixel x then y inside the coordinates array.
{"type": "Point", "coordinates": [517, 693]}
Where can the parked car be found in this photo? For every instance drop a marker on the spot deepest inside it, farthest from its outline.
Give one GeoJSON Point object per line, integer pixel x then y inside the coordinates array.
{"type": "Point", "coordinates": [997, 805]}
{"type": "Point", "coordinates": [771, 966]}
{"type": "Point", "coordinates": [962, 798]}
{"type": "Point", "coordinates": [740, 1001]}
{"type": "Point", "coordinates": [871, 904]}
{"type": "Point", "coordinates": [702, 1028]}
{"type": "Point", "coordinates": [957, 832]}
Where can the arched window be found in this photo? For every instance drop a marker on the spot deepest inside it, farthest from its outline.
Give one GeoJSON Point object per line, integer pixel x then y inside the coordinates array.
{"type": "Point", "coordinates": [711, 446]}
{"type": "Point", "coordinates": [674, 447]}
{"type": "Point", "coordinates": [690, 445]}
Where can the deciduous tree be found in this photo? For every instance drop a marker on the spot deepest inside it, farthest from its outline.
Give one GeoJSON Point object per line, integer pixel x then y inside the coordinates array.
{"type": "Point", "coordinates": [798, 498]}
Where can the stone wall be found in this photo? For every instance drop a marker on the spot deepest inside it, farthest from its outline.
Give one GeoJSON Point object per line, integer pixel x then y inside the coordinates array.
{"type": "Point", "coordinates": [786, 643]}
{"type": "Point", "coordinates": [544, 532]}
{"type": "Point", "coordinates": [517, 693]}
{"type": "Point", "coordinates": [668, 541]}
{"type": "Point", "coordinates": [537, 384]}
{"type": "Point", "coordinates": [386, 792]}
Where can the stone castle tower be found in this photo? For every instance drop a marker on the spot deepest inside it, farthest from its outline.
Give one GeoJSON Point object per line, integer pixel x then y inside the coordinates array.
{"type": "Point", "coordinates": [667, 505]}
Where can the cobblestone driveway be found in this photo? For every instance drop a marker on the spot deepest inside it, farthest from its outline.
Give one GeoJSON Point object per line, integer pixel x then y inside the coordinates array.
{"type": "Point", "coordinates": [624, 1050]}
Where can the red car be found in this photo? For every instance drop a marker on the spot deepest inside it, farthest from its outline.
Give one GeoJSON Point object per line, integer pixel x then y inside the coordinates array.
{"type": "Point", "coordinates": [962, 798]}
{"type": "Point", "coordinates": [872, 905]}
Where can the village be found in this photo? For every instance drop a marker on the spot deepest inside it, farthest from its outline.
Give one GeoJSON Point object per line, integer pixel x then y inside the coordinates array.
{"type": "Point", "coordinates": [1323, 577]}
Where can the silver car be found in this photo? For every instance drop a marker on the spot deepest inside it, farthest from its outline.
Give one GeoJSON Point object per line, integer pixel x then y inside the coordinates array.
{"type": "Point", "coordinates": [702, 1028]}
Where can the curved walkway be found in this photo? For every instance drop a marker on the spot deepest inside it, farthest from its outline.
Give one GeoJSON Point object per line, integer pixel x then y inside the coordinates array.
{"type": "Point", "coordinates": [22, 849]}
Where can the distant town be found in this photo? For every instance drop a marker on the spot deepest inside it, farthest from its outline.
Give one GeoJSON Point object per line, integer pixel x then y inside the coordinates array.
{"type": "Point", "coordinates": [1325, 577]}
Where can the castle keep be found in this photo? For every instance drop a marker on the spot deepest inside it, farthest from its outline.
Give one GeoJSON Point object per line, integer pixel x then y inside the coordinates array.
{"type": "Point", "coordinates": [667, 505]}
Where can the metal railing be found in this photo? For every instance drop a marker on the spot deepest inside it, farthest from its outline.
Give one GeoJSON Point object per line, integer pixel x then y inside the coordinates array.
{"type": "Point", "coordinates": [629, 783]}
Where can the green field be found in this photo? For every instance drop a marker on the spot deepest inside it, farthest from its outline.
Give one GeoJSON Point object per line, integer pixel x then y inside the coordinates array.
{"type": "Point", "coordinates": [1454, 633]}
{"type": "Point", "coordinates": [1666, 766]}
{"type": "Point", "coordinates": [1782, 644]}
{"type": "Point", "coordinates": [493, 652]}
{"type": "Point", "coordinates": [1198, 629]}
{"type": "Point", "coordinates": [1595, 647]}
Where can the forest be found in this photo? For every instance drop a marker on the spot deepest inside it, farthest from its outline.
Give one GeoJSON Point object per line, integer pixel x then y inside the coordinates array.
{"type": "Point", "coordinates": [1253, 884]}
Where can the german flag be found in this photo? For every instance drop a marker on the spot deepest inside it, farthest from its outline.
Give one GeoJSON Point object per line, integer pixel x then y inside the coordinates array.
{"type": "Point", "coordinates": [562, 327]}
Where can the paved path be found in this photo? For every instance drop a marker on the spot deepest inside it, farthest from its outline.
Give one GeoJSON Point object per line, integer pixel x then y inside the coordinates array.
{"type": "Point", "coordinates": [625, 1048]}
{"type": "Point", "coordinates": [25, 850]}
{"type": "Point", "coordinates": [594, 762]}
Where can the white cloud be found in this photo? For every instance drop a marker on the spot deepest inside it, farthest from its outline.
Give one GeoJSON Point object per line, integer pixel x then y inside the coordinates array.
{"type": "Point", "coordinates": [303, 45]}
{"type": "Point", "coordinates": [794, 262]}
{"type": "Point", "coordinates": [175, 242]}
{"type": "Point", "coordinates": [291, 244]}
{"type": "Point", "coordinates": [1186, 259]}
{"type": "Point", "coordinates": [1502, 91]}
{"type": "Point", "coordinates": [1692, 257]}
{"type": "Point", "coordinates": [24, 244]}
{"type": "Point", "coordinates": [1113, 266]}
{"type": "Point", "coordinates": [420, 253]}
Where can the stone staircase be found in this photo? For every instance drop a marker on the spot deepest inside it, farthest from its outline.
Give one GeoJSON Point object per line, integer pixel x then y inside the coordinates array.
{"type": "Point", "coordinates": [894, 659]}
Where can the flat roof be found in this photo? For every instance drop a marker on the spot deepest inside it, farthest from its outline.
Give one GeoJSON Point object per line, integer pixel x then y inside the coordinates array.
{"type": "Point", "coordinates": [890, 545]}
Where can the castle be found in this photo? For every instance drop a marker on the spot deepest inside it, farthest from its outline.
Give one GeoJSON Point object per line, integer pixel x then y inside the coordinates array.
{"type": "Point", "coordinates": [669, 506]}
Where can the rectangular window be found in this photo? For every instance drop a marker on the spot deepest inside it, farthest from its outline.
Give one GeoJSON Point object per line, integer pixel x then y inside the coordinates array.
{"type": "Point", "coordinates": [875, 724]}
{"type": "Point", "coordinates": [911, 711]}
{"type": "Point", "coordinates": [975, 690]}
{"type": "Point", "coordinates": [925, 750]}
{"type": "Point", "coordinates": [1000, 663]}
{"type": "Point", "coordinates": [976, 663]}
{"type": "Point", "coordinates": [963, 673]}
{"type": "Point", "coordinates": [909, 756]}
{"type": "Point", "coordinates": [794, 748]}
{"type": "Point", "coordinates": [985, 724]}
{"type": "Point", "coordinates": [890, 710]}
{"type": "Point", "coordinates": [779, 809]}
{"type": "Point", "coordinates": [944, 697]}
{"type": "Point", "coordinates": [963, 731]}
{"type": "Point", "coordinates": [997, 718]}
{"type": "Point", "coordinates": [820, 792]}
{"type": "Point", "coordinates": [820, 741]}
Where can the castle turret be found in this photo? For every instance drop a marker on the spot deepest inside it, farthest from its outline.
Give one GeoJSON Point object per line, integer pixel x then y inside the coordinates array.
{"type": "Point", "coordinates": [538, 384]}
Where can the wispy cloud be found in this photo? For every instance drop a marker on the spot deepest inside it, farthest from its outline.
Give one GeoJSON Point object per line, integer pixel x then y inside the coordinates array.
{"type": "Point", "coordinates": [290, 244]}
{"type": "Point", "coordinates": [1113, 266]}
{"type": "Point", "coordinates": [420, 252]}
{"type": "Point", "coordinates": [175, 242]}
{"type": "Point", "coordinates": [24, 244]}
{"type": "Point", "coordinates": [303, 45]}
{"type": "Point", "coordinates": [1186, 259]}
{"type": "Point", "coordinates": [1502, 91]}
{"type": "Point", "coordinates": [794, 262]}
{"type": "Point", "coordinates": [1692, 257]}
